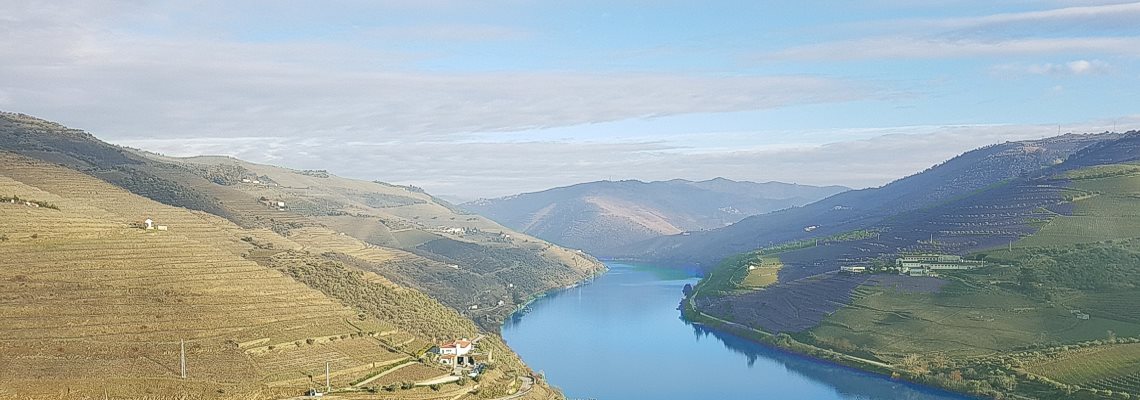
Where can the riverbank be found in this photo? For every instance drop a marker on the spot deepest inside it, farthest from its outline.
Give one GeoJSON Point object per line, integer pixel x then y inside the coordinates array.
{"type": "Point", "coordinates": [539, 296]}
{"type": "Point", "coordinates": [786, 342]}
{"type": "Point", "coordinates": [629, 343]}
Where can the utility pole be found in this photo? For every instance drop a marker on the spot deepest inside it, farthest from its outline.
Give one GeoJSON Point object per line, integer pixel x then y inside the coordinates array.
{"type": "Point", "coordinates": [328, 386]}
{"type": "Point", "coordinates": [182, 359]}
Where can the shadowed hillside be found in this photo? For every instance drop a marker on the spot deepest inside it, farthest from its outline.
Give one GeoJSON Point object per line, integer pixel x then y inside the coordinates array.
{"type": "Point", "coordinates": [397, 232]}
{"type": "Point", "coordinates": [861, 209]}
{"type": "Point", "coordinates": [599, 217]}
{"type": "Point", "coordinates": [1057, 292]}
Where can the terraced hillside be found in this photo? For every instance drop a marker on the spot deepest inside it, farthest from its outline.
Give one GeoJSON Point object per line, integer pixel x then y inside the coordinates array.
{"type": "Point", "coordinates": [400, 233]}
{"type": "Point", "coordinates": [94, 305]}
{"type": "Point", "coordinates": [1062, 247]}
{"type": "Point", "coordinates": [601, 216]}
{"type": "Point", "coordinates": [393, 231]}
{"type": "Point", "coordinates": [862, 209]}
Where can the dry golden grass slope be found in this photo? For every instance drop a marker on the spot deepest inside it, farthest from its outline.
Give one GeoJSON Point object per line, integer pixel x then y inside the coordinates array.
{"type": "Point", "coordinates": [399, 233]}
{"type": "Point", "coordinates": [92, 306]}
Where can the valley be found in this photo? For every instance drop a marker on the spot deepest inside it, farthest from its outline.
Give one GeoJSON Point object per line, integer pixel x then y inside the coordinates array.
{"type": "Point", "coordinates": [602, 218]}
{"type": "Point", "coordinates": [542, 200]}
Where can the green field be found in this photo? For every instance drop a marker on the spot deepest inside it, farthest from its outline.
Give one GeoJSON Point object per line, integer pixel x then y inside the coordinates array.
{"type": "Point", "coordinates": [1079, 367]}
{"type": "Point", "coordinates": [1112, 367]}
{"type": "Point", "coordinates": [763, 273]}
{"type": "Point", "coordinates": [1027, 298]}
{"type": "Point", "coordinates": [960, 321]}
{"type": "Point", "coordinates": [1110, 211]}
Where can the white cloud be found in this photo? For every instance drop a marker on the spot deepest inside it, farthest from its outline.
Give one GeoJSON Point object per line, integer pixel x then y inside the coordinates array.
{"type": "Point", "coordinates": [1075, 67]}
{"type": "Point", "coordinates": [123, 84]}
{"type": "Point", "coordinates": [894, 47]}
{"type": "Point", "coordinates": [1102, 13]}
{"type": "Point", "coordinates": [1085, 29]}
{"type": "Point", "coordinates": [491, 169]}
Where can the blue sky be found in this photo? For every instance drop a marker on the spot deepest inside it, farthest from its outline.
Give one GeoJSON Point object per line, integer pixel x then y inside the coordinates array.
{"type": "Point", "coordinates": [488, 98]}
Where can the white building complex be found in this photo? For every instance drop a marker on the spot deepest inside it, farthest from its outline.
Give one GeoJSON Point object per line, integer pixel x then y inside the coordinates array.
{"type": "Point", "coordinates": [927, 264]}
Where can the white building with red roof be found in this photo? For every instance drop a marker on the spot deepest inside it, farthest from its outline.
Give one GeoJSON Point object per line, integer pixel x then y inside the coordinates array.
{"type": "Point", "coordinates": [456, 347]}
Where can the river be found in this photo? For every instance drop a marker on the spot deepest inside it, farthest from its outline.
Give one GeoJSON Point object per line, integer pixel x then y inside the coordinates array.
{"type": "Point", "coordinates": [621, 337]}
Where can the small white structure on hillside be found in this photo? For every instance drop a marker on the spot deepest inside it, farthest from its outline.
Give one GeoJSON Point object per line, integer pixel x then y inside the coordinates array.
{"type": "Point", "coordinates": [457, 347]}
{"type": "Point", "coordinates": [853, 269]}
{"type": "Point", "coordinates": [453, 352]}
{"type": "Point", "coordinates": [149, 224]}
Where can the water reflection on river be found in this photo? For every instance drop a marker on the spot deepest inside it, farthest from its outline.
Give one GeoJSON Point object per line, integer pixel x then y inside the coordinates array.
{"type": "Point", "coordinates": [621, 337]}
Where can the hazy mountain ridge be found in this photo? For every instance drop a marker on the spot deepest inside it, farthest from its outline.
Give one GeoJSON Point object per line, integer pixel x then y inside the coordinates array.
{"type": "Point", "coordinates": [600, 216]}
{"type": "Point", "coordinates": [860, 209]}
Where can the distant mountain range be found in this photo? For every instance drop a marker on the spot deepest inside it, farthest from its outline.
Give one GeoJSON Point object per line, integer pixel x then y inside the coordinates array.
{"type": "Point", "coordinates": [599, 217]}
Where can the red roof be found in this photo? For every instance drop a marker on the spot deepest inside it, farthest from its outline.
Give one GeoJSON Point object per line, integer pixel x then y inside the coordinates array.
{"type": "Point", "coordinates": [456, 343]}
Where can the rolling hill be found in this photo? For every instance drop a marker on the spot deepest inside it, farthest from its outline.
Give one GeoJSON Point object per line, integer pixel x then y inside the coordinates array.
{"type": "Point", "coordinates": [1062, 251]}
{"type": "Point", "coordinates": [861, 209]}
{"type": "Point", "coordinates": [95, 305]}
{"type": "Point", "coordinates": [599, 217]}
{"type": "Point", "coordinates": [400, 233]}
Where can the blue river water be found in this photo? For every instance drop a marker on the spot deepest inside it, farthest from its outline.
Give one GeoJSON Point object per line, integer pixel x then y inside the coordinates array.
{"type": "Point", "coordinates": [621, 337]}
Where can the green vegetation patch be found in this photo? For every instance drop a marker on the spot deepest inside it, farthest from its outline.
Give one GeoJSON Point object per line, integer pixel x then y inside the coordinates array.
{"type": "Point", "coordinates": [18, 200]}
{"type": "Point", "coordinates": [1103, 171]}
{"type": "Point", "coordinates": [1087, 365]}
{"type": "Point", "coordinates": [733, 273]}
{"type": "Point", "coordinates": [727, 276]}
{"type": "Point", "coordinates": [813, 242]}
{"type": "Point", "coordinates": [409, 310]}
{"type": "Point", "coordinates": [763, 273]}
{"type": "Point", "coordinates": [1108, 209]}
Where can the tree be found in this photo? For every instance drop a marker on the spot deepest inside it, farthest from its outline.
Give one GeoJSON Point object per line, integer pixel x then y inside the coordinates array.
{"type": "Point", "coordinates": [914, 363]}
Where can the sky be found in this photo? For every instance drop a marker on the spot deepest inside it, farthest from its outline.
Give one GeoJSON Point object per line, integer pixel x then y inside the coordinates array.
{"type": "Point", "coordinates": [489, 98]}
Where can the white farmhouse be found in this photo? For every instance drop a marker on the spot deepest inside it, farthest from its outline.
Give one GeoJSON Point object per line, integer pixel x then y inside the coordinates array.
{"type": "Point", "coordinates": [457, 347]}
